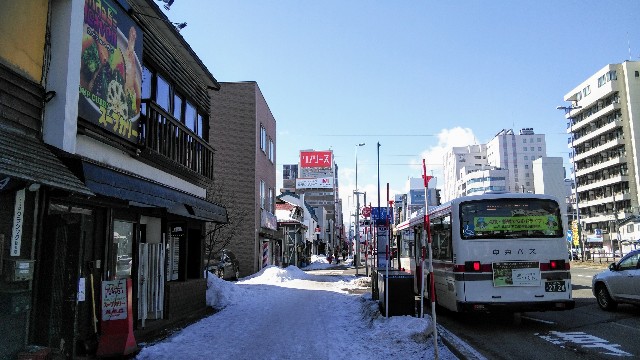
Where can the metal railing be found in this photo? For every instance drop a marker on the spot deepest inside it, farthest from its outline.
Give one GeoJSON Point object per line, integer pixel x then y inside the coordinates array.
{"type": "Point", "coordinates": [168, 136]}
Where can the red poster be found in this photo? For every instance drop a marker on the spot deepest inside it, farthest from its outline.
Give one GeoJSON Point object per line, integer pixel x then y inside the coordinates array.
{"type": "Point", "coordinates": [316, 159]}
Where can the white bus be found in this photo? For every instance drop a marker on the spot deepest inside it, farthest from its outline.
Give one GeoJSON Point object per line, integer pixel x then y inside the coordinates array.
{"type": "Point", "coordinates": [492, 252]}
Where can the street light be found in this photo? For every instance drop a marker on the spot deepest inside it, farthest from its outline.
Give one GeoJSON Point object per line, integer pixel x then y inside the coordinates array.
{"type": "Point", "coordinates": [567, 110]}
{"type": "Point", "coordinates": [356, 258]}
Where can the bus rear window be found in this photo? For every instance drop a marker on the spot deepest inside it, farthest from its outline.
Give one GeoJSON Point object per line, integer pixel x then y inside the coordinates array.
{"type": "Point", "coordinates": [510, 218]}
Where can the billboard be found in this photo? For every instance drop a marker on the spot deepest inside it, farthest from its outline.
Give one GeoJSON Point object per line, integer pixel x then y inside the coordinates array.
{"type": "Point", "coordinates": [314, 183]}
{"type": "Point", "coordinates": [110, 69]}
{"type": "Point", "coordinates": [316, 159]}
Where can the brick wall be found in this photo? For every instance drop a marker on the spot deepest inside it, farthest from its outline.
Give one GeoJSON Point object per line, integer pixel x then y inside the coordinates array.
{"type": "Point", "coordinates": [237, 111]}
{"type": "Point", "coordinates": [183, 298]}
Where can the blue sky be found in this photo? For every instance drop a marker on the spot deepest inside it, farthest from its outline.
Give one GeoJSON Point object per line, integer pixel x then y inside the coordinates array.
{"type": "Point", "coordinates": [416, 76]}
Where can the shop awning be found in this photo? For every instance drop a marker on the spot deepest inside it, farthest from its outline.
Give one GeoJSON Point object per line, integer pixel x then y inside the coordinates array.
{"type": "Point", "coordinates": [143, 192]}
{"type": "Point", "coordinates": [28, 159]}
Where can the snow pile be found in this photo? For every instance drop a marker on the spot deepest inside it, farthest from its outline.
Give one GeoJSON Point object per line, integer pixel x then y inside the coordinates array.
{"type": "Point", "coordinates": [275, 275]}
{"type": "Point", "coordinates": [289, 314]}
{"type": "Point", "coordinates": [221, 293]}
{"type": "Point", "coordinates": [318, 262]}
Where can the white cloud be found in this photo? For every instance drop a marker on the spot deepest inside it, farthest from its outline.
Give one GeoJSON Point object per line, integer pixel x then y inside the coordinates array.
{"type": "Point", "coordinates": [434, 155]}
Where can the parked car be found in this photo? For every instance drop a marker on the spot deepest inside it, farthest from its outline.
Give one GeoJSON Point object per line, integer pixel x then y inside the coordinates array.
{"type": "Point", "coordinates": [225, 265]}
{"type": "Point", "coordinates": [620, 283]}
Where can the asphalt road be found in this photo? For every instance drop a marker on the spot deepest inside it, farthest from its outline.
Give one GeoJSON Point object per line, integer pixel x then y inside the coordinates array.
{"type": "Point", "coordinates": [585, 332]}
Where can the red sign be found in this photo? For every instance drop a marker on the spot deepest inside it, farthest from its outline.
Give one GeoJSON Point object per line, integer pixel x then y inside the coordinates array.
{"type": "Point", "coordinates": [366, 211]}
{"type": "Point", "coordinates": [316, 159]}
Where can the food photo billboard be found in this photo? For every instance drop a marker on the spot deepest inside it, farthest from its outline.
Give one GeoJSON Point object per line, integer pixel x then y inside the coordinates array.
{"type": "Point", "coordinates": [110, 69]}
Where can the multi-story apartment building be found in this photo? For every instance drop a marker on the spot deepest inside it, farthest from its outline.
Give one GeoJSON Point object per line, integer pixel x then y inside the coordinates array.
{"type": "Point", "coordinates": [243, 131]}
{"type": "Point", "coordinates": [105, 168]}
{"type": "Point", "coordinates": [604, 136]}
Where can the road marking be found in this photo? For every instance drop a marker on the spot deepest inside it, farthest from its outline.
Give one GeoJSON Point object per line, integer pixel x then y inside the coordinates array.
{"type": "Point", "coordinates": [539, 320]}
{"type": "Point", "coordinates": [584, 340]}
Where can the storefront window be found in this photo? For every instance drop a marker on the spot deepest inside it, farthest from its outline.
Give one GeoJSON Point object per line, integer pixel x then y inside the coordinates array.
{"type": "Point", "coordinates": [123, 244]}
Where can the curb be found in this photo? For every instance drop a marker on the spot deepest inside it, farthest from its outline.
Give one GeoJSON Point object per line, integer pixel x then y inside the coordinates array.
{"type": "Point", "coordinates": [457, 346]}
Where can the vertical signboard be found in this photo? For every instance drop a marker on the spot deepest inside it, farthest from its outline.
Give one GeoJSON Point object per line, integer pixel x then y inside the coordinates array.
{"type": "Point", "coordinates": [110, 69]}
{"type": "Point", "coordinates": [18, 219]}
{"type": "Point", "coordinates": [383, 235]}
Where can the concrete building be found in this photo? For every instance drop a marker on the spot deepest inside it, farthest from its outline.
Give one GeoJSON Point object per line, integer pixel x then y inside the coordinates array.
{"type": "Point", "coordinates": [516, 154]}
{"type": "Point", "coordinates": [604, 135]}
{"type": "Point", "coordinates": [505, 163]}
{"type": "Point", "coordinates": [469, 157]}
{"type": "Point", "coordinates": [289, 176]}
{"type": "Point", "coordinates": [317, 181]}
{"type": "Point", "coordinates": [550, 177]}
{"type": "Point", "coordinates": [243, 132]}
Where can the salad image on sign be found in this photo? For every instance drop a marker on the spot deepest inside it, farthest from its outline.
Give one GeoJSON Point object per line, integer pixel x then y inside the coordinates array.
{"type": "Point", "coordinates": [110, 69]}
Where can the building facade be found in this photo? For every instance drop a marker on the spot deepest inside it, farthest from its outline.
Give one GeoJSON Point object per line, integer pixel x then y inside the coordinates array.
{"type": "Point", "coordinates": [602, 123]}
{"type": "Point", "coordinates": [117, 198]}
{"type": "Point", "coordinates": [455, 160]}
{"type": "Point", "coordinates": [505, 163]}
{"type": "Point", "coordinates": [516, 153]}
{"type": "Point", "coordinates": [243, 132]}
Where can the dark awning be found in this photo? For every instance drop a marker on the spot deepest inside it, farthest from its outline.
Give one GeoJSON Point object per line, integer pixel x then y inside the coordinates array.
{"type": "Point", "coordinates": [28, 159]}
{"type": "Point", "coordinates": [142, 192]}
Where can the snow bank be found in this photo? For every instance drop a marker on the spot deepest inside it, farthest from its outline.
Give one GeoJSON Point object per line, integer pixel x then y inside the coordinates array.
{"type": "Point", "coordinates": [222, 293]}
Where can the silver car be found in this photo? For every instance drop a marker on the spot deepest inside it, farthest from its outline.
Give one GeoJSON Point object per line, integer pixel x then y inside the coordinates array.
{"type": "Point", "coordinates": [618, 284]}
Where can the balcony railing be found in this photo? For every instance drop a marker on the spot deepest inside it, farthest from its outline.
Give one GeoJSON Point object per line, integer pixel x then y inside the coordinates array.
{"type": "Point", "coordinates": [166, 135]}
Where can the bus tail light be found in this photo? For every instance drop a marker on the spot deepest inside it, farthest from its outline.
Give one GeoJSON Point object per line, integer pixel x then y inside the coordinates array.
{"type": "Point", "coordinates": [556, 265]}
{"type": "Point", "coordinates": [472, 266]}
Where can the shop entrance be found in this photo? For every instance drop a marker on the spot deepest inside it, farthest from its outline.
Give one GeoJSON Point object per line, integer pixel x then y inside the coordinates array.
{"type": "Point", "coordinates": [63, 290]}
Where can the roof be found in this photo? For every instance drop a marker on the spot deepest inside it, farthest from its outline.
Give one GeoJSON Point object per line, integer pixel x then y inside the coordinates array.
{"type": "Point", "coordinates": [27, 158]}
{"type": "Point", "coordinates": [151, 14]}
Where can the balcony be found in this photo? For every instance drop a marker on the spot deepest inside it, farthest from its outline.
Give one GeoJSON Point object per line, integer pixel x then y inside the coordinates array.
{"type": "Point", "coordinates": [602, 165]}
{"type": "Point", "coordinates": [163, 134]}
{"type": "Point", "coordinates": [604, 146]}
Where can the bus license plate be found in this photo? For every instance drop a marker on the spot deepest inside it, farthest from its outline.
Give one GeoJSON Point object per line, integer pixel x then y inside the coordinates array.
{"type": "Point", "coordinates": [555, 286]}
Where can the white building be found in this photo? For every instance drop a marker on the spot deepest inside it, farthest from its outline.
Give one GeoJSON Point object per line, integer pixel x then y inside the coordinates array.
{"type": "Point", "coordinates": [604, 137]}
{"type": "Point", "coordinates": [470, 157]}
{"type": "Point", "coordinates": [503, 164]}
{"type": "Point", "coordinates": [549, 177]}
{"type": "Point", "coordinates": [516, 154]}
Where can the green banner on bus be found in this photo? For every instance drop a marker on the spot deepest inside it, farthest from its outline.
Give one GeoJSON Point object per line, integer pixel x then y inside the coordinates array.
{"type": "Point", "coordinates": [506, 223]}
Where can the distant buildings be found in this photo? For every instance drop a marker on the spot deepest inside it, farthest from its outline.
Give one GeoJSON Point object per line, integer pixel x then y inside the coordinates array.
{"type": "Point", "coordinates": [503, 164]}
{"type": "Point", "coordinates": [315, 178]}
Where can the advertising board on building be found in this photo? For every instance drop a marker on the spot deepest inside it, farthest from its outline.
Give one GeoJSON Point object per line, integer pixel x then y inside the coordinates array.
{"type": "Point", "coordinates": [316, 159]}
{"type": "Point", "coordinates": [314, 183]}
{"type": "Point", "coordinates": [110, 69]}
